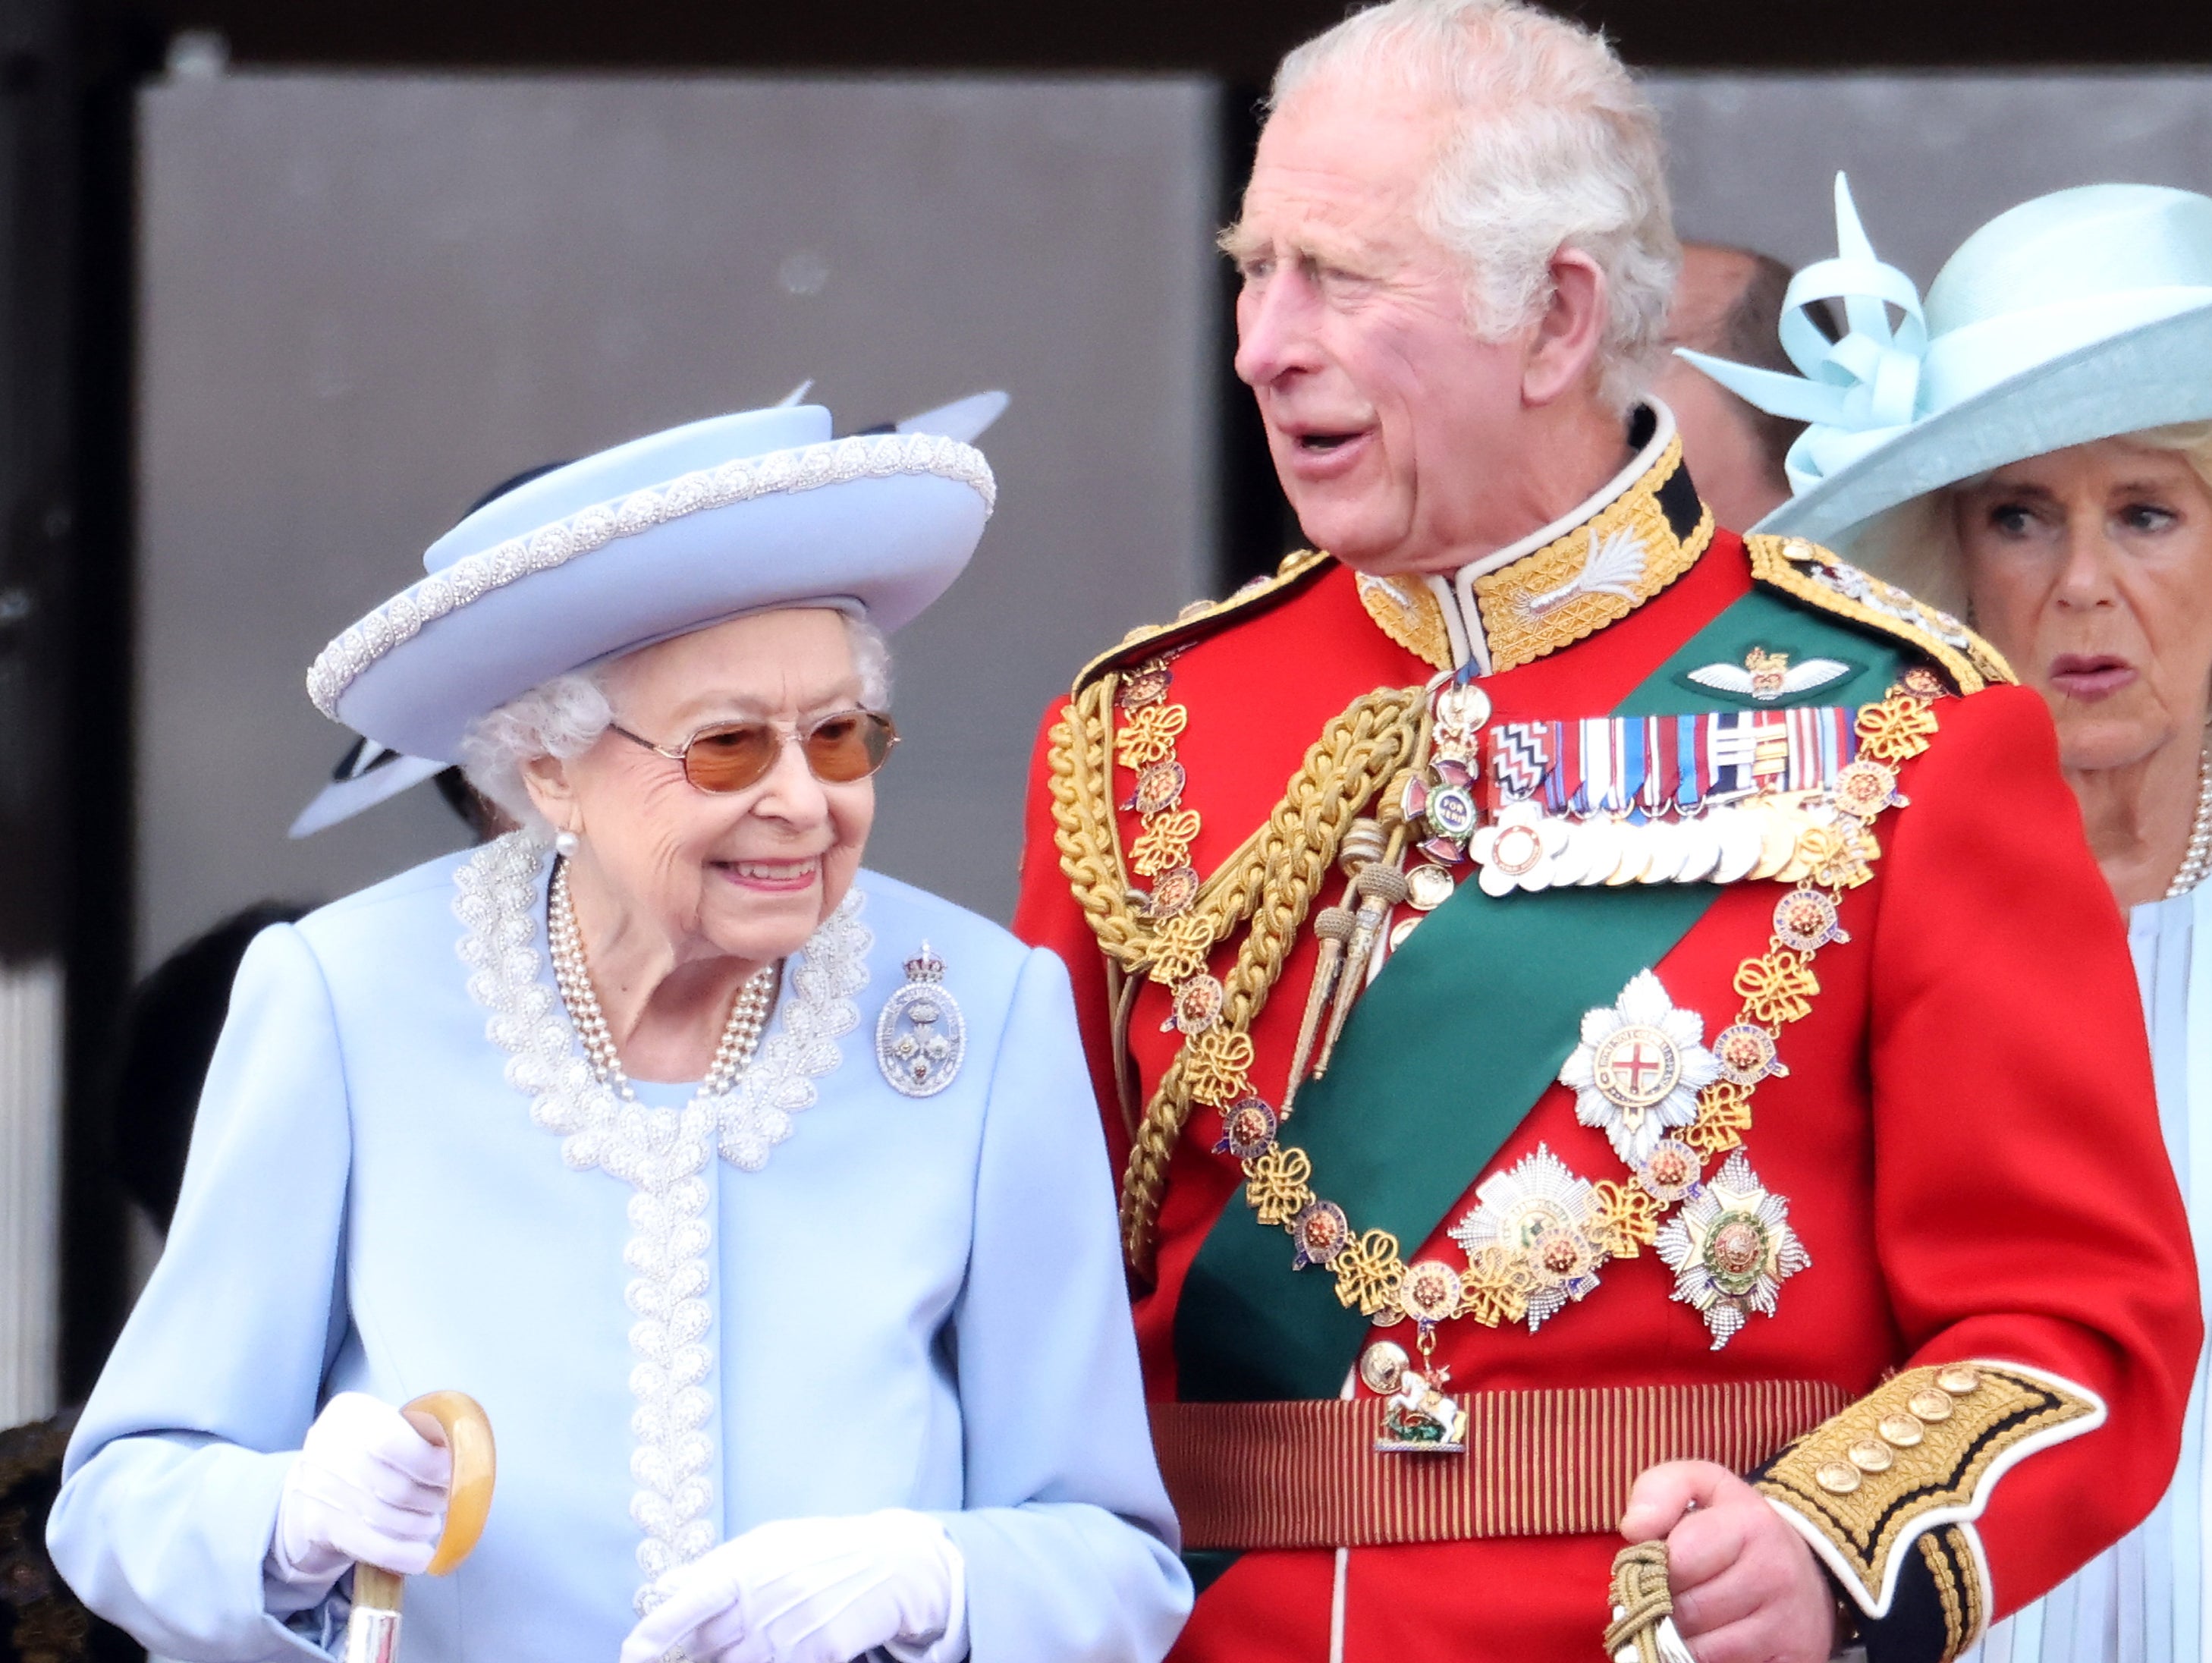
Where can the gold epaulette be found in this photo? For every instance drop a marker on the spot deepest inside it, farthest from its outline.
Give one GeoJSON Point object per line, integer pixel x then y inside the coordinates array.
{"type": "Point", "coordinates": [1917, 1455]}
{"type": "Point", "coordinates": [1805, 571]}
{"type": "Point", "coordinates": [1203, 618]}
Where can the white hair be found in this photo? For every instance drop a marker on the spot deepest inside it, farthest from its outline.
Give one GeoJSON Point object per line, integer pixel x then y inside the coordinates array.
{"type": "Point", "coordinates": [566, 715]}
{"type": "Point", "coordinates": [1915, 544]}
{"type": "Point", "coordinates": [1553, 147]}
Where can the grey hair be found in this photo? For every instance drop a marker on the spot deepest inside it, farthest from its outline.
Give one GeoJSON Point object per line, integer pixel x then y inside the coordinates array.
{"type": "Point", "coordinates": [1915, 544]}
{"type": "Point", "coordinates": [567, 714]}
{"type": "Point", "coordinates": [1554, 147]}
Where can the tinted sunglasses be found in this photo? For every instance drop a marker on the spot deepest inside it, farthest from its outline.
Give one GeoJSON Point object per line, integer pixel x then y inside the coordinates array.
{"type": "Point", "coordinates": [840, 749]}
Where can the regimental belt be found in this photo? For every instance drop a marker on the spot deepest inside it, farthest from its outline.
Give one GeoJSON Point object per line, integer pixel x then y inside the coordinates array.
{"type": "Point", "coordinates": [1551, 1463]}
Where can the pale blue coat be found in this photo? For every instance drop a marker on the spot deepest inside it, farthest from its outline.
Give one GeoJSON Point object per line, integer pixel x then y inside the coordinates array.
{"type": "Point", "coordinates": [917, 1302]}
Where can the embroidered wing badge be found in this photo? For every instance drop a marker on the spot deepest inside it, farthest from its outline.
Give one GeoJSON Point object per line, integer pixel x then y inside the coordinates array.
{"type": "Point", "coordinates": [1767, 677]}
{"type": "Point", "coordinates": [921, 1037]}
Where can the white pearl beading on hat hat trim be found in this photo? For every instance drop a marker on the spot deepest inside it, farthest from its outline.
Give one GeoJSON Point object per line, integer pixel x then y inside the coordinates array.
{"type": "Point", "coordinates": [661, 1153]}
{"type": "Point", "coordinates": [809, 468]}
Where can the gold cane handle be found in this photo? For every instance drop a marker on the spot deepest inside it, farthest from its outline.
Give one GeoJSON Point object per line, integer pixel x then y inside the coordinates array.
{"type": "Point", "coordinates": [457, 1420]}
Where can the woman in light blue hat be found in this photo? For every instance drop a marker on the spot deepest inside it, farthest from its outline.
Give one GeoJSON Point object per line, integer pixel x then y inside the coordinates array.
{"type": "Point", "coordinates": [2034, 448]}
{"type": "Point", "coordinates": [757, 1198]}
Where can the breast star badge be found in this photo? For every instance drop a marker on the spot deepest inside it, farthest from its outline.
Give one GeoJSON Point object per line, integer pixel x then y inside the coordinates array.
{"type": "Point", "coordinates": [1542, 1220]}
{"type": "Point", "coordinates": [1639, 1069]}
{"type": "Point", "coordinates": [1731, 1247]}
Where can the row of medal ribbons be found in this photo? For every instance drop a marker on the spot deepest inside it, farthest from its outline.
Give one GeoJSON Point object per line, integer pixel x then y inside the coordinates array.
{"type": "Point", "coordinates": [1716, 797]}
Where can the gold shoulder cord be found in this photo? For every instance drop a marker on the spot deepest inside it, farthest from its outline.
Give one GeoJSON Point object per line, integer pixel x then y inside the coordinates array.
{"type": "Point", "coordinates": [1271, 879]}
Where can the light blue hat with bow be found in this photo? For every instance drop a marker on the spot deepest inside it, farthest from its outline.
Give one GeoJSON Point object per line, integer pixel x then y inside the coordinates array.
{"type": "Point", "coordinates": [2076, 316]}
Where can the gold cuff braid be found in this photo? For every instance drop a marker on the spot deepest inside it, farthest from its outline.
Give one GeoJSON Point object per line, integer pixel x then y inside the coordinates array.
{"type": "Point", "coordinates": [1920, 1452]}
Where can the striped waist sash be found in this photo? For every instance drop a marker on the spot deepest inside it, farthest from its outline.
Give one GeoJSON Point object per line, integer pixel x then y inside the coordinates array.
{"type": "Point", "coordinates": [1306, 1474]}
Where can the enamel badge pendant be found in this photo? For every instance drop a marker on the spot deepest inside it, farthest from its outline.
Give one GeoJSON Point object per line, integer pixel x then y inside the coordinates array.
{"type": "Point", "coordinates": [1420, 1418]}
{"type": "Point", "coordinates": [1639, 1068]}
{"type": "Point", "coordinates": [1731, 1248]}
{"type": "Point", "coordinates": [921, 1038]}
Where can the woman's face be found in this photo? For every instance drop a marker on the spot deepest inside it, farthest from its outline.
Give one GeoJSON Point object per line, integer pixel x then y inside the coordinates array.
{"type": "Point", "coordinates": [2091, 569]}
{"type": "Point", "coordinates": [747, 874]}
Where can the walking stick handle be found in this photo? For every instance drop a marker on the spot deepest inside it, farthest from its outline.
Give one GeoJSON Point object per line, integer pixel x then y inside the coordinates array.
{"type": "Point", "coordinates": [456, 1421]}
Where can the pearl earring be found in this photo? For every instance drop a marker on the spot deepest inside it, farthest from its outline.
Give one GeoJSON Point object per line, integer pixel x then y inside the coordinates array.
{"type": "Point", "coordinates": [566, 843]}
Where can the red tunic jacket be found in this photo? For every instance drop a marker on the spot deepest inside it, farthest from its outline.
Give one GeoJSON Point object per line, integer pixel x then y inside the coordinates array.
{"type": "Point", "coordinates": [1966, 1138]}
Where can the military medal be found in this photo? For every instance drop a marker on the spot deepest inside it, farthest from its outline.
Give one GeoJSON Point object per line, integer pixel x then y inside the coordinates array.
{"type": "Point", "coordinates": [1731, 1248]}
{"type": "Point", "coordinates": [1542, 1222]}
{"type": "Point", "coordinates": [1420, 1418]}
{"type": "Point", "coordinates": [1785, 793]}
{"type": "Point", "coordinates": [1429, 887]}
{"type": "Point", "coordinates": [921, 1038]}
{"type": "Point", "coordinates": [1639, 1068]}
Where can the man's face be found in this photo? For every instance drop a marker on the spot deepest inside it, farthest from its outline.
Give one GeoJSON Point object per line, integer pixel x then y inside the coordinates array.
{"type": "Point", "coordinates": [1388, 419]}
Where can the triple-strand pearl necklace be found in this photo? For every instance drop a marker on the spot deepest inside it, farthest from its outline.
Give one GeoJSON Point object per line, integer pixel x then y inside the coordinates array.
{"type": "Point", "coordinates": [2198, 859]}
{"type": "Point", "coordinates": [741, 1036]}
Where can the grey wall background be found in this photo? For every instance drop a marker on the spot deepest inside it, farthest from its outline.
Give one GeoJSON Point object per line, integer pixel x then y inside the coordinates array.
{"type": "Point", "coordinates": [366, 299]}
{"type": "Point", "coordinates": [1753, 158]}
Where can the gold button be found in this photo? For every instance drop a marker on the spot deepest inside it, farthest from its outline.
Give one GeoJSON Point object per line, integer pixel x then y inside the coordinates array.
{"type": "Point", "coordinates": [1382, 1368]}
{"type": "Point", "coordinates": [1960, 1381]}
{"type": "Point", "coordinates": [1931, 1405]}
{"type": "Point", "coordinates": [1871, 1455]}
{"type": "Point", "coordinates": [1901, 1430]}
{"type": "Point", "coordinates": [1837, 1478]}
{"type": "Point", "coordinates": [1428, 887]}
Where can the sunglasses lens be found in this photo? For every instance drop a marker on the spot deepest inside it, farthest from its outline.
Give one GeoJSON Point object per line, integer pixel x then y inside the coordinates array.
{"type": "Point", "coordinates": [850, 748]}
{"type": "Point", "coordinates": [731, 758]}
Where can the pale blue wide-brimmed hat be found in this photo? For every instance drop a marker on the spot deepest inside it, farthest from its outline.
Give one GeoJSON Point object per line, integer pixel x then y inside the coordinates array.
{"type": "Point", "coordinates": [2076, 316]}
{"type": "Point", "coordinates": [652, 539]}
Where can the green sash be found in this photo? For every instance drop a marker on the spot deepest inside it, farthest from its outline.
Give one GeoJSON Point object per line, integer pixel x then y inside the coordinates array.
{"type": "Point", "coordinates": [1446, 1052]}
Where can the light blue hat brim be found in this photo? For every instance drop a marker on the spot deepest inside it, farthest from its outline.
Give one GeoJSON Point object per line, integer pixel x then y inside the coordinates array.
{"type": "Point", "coordinates": [652, 540]}
{"type": "Point", "coordinates": [341, 799]}
{"type": "Point", "coordinates": [2153, 376]}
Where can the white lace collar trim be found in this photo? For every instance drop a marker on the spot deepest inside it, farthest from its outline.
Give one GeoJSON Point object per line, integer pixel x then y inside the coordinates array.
{"type": "Point", "coordinates": [661, 1153]}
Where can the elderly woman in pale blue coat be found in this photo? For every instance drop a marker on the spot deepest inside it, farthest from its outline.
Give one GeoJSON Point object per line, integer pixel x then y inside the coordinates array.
{"type": "Point", "coordinates": [757, 1197]}
{"type": "Point", "coordinates": [2033, 448]}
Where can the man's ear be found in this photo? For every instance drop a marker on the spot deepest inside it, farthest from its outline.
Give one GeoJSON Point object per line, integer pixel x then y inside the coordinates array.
{"type": "Point", "coordinates": [552, 792]}
{"type": "Point", "coordinates": [1563, 343]}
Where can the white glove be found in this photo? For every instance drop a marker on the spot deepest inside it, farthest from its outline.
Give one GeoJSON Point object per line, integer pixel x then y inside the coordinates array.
{"type": "Point", "coordinates": [367, 1488]}
{"type": "Point", "coordinates": [815, 1591]}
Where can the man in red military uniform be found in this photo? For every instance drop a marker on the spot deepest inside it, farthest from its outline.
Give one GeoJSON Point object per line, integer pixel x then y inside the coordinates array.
{"type": "Point", "coordinates": [1611, 1029]}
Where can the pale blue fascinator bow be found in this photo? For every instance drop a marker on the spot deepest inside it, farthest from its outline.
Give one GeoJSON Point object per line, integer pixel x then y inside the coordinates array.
{"type": "Point", "coordinates": [1858, 392]}
{"type": "Point", "coordinates": [2079, 315]}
